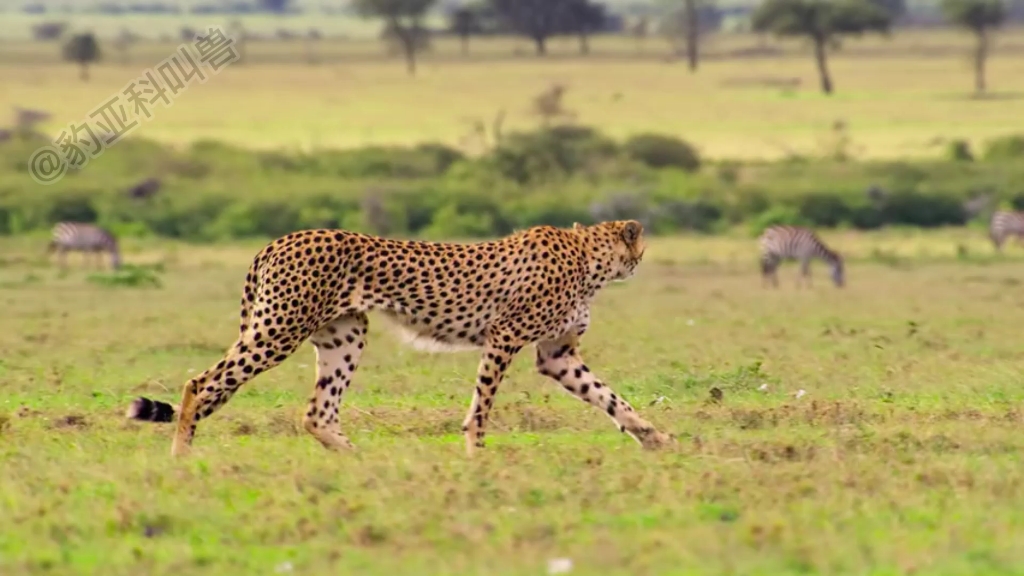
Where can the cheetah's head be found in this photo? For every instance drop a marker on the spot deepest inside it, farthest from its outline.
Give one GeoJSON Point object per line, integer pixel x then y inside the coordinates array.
{"type": "Point", "coordinates": [615, 247]}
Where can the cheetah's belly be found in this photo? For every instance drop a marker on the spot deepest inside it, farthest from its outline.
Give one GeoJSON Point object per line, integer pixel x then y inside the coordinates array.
{"type": "Point", "coordinates": [446, 335]}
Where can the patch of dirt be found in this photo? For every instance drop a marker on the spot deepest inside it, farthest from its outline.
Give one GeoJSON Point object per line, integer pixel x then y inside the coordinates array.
{"type": "Point", "coordinates": [284, 423]}
{"type": "Point", "coordinates": [70, 421]}
{"type": "Point", "coordinates": [244, 429]}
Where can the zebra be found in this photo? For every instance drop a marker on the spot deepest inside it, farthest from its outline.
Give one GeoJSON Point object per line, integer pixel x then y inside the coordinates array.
{"type": "Point", "coordinates": [1005, 223]}
{"type": "Point", "coordinates": [780, 243]}
{"type": "Point", "coordinates": [68, 236]}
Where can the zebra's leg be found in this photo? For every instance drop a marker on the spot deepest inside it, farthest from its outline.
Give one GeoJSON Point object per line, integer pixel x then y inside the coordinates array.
{"type": "Point", "coordinates": [997, 240]}
{"type": "Point", "coordinates": [769, 269]}
{"type": "Point", "coordinates": [805, 272]}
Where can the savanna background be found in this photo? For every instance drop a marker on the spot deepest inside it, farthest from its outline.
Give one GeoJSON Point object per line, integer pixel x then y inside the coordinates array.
{"type": "Point", "coordinates": [872, 429]}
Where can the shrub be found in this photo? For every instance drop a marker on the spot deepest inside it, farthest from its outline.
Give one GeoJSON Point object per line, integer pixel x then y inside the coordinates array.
{"type": "Point", "coordinates": [695, 215]}
{"type": "Point", "coordinates": [823, 210]}
{"type": "Point", "coordinates": [554, 176]}
{"type": "Point", "coordinates": [129, 275]}
{"type": "Point", "coordinates": [549, 154]}
{"type": "Point", "coordinates": [779, 215]}
{"type": "Point", "coordinates": [959, 151]}
{"type": "Point", "coordinates": [1004, 148]}
{"type": "Point", "coordinates": [915, 209]}
{"type": "Point", "coordinates": [660, 151]}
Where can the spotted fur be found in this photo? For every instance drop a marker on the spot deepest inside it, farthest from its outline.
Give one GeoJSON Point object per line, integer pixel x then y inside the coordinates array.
{"type": "Point", "coordinates": [534, 287]}
{"type": "Point", "coordinates": [780, 243]}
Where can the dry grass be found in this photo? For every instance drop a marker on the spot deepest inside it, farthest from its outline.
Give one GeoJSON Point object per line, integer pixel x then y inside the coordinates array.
{"type": "Point", "coordinates": [900, 457]}
{"type": "Point", "coordinates": [899, 97]}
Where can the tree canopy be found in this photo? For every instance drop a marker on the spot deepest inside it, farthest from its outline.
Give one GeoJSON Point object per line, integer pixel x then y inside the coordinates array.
{"type": "Point", "coordinates": [402, 20]}
{"type": "Point", "coordinates": [824, 22]}
{"type": "Point", "coordinates": [542, 19]}
{"type": "Point", "coordinates": [975, 15]}
{"type": "Point", "coordinates": [82, 49]}
{"type": "Point", "coordinates": [980, 17]}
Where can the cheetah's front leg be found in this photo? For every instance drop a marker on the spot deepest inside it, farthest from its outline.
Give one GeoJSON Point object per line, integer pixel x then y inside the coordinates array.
{"type": "Point", "coordinates": [560, 360]}
{"type": "Point", "coordinates": [493, 363]}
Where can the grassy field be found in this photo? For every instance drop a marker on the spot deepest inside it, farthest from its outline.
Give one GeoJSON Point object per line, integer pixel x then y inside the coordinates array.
{"type": "Point", "coordinates": [899, 98]}
{"type": "Point", "coordinates": [901, 455]}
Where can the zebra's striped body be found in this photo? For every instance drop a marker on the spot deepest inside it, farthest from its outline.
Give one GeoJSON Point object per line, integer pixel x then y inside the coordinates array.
{"type": "Point", "coordinates": [780, 243]}
{"type": "Point", "coordinates": [77, 236]}
{"type": "Point", "coordinates": [1005, 223]}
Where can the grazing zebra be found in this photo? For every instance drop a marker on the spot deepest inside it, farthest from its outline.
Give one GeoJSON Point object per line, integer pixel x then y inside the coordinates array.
{"type": "Point", "coordinates": [68, 236]}
{"type": "Point", "coordinates": [1005, 223]}
{"type": "Point", "coordinates": [780, 243]}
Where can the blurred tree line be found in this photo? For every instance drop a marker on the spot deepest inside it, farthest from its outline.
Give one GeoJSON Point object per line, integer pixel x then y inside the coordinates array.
{"type": "Point", "coordinates": [823, 23]}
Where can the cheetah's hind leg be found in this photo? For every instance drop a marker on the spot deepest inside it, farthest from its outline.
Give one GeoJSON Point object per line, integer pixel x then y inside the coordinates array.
{"type": "Point", "coordinates": [208, 392]}
{"type": "Point", "coordinates": [339, 346]}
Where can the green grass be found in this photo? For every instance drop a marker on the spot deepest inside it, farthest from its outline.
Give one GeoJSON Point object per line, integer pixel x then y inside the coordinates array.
{"type": "Point", "coordinates": [901, 457]}
{"type": "Point", "coordinates": [901, 97]}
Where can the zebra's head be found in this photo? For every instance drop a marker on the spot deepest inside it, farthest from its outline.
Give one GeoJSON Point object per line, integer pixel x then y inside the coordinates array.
{"type": "Point", "coordinates": [838, 274]}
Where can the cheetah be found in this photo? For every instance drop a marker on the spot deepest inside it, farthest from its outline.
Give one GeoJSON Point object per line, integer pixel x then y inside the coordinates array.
{"type": "Point", "coordinates": [534, 286]}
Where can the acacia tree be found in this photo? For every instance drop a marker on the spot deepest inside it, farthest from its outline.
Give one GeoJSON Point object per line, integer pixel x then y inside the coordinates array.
{"type": "Point", "coordinates": [83, 50]}
{"type": "Point", "coordinates": [402, 19]}
{"type": "Point", "coordinates": [585, 17]}
{"type": "Point", "coordinates": [538, 20]}
{"type": "Point", "coordinates": [692, 33]}
{"type": "Point", "coordinates": [823, 22]}
{"type": "Point", "coordinates": [464, 21]}
{"type": "Point", "coordinates": [688, 20]}
{"type": "Point", "coordinates": [980, 17]}
{"type": "Point", "coordinates": [275, 6]}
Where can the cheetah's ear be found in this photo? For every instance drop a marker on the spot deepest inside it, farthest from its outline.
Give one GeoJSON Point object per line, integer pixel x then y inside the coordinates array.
{"type": "Point", "coordinates": [631, 232]}
{"type": "Point", "coordinates": [577, 226]}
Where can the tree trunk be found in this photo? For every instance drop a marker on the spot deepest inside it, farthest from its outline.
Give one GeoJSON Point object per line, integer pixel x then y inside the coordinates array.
{"type": "Point", "coordinates": [409, 43]}
{"type": "Point", "coordinates": [238, 35]}
{"type": "Point", "coordinates": [980, 55]}
{"type": "Point", "coordinates": [83, 74]}
{"type": "Point", "coordinates": [541, 43]}
{"type": "Point", "coordinates": [692, 34]}
{"type": "Point", "coordinates": [311, 55]}
{"type": "Point", "coordinates": [584, 44]}
{"type": "Point", "coordinates": [465, 44]}
{"type": "Point", "coordinates": [240, 44]}
{"type": "Point", "coordinates": [819, 57]}
{"type": "Point", "coordinates": [407, 38]}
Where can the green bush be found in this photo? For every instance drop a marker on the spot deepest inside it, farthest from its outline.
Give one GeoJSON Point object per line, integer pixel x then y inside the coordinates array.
{"type": "Point", "coordinates": [777, 216]}
{"type": "Point", "coordinates": [129, 275]}
{"type": "Point", "coordinates": [661, 151]}
{"type": "Point", "coordinates": [549, 154]}
{"type": "Point", "coordinates": [926, 211]}
{"type": "Point", "coordinates": [212, 191]}
{"type": "Point", "coordinates": [1004, 148]}
{"type": "Point", "coordinates": [959, 151]}
{"type": "Point", "coordinates": [824, 210]}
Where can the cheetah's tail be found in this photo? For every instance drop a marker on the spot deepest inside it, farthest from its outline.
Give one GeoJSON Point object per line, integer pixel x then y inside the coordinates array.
{"type": "Point", "coordinates": [148, 410]}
